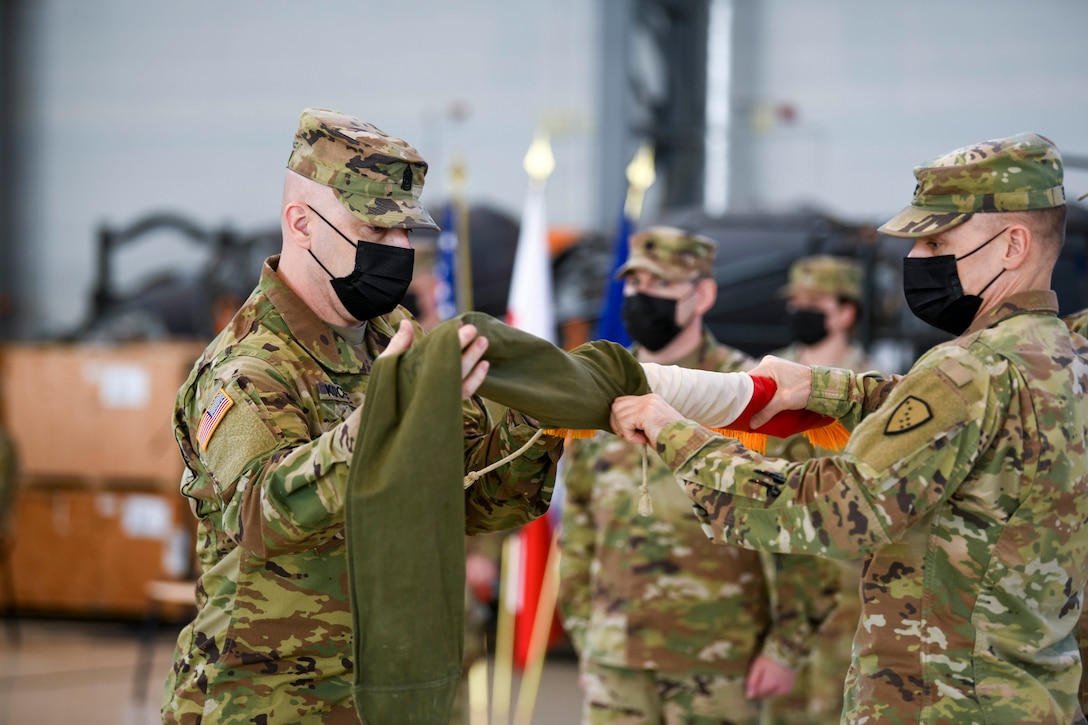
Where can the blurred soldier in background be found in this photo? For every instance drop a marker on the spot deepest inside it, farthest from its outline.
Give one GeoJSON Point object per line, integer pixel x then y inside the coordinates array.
{"type": "Point", "coordinates": [668, 627]}
{"type": "Point", "coordinates": [823, 300]}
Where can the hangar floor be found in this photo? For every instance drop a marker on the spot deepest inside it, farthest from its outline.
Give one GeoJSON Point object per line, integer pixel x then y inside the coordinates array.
{"type": "Point", "coordinates": [63, 671]}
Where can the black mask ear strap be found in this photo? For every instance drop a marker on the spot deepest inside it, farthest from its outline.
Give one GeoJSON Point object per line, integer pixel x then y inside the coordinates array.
{"type": "Point", "coordinates": [979, 294]}
{"type": "Point", "coordinates": [973, 250]}
{"type": "Point", "coordinates": [345, 236]}
{"type": "Point", "coordinates": [319, 264]}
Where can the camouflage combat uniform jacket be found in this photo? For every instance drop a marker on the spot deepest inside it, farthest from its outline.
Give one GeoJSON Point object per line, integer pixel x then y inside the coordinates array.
{"type": "Point", "coordinates": [652, 592]}
{"type": "Point", "coordinates": [1077, 322]}
{"type": "Point", "coordinates": [272, 639]}
{"type": "Point", "coordinates": [966, 487]}
{"type": "Point", "coordinates": [797, 447]}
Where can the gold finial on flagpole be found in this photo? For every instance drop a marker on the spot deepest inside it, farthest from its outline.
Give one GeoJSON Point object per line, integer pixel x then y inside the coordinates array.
{"type": "Point", "coordinates": [539, 161]}
{"type": "Point", "coordinates": [640, 177]}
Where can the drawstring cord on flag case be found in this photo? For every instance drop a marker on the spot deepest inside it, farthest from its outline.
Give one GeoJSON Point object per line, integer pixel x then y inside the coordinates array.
{"type": "Point", "coordinates": [645, 504]}
{"type": "Point", "coordinates": [473, 476]}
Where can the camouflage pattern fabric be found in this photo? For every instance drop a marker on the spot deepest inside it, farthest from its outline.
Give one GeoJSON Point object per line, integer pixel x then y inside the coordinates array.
{"type": "Point", "coordinates": [622, 696]}
{"type": "Point", "coordinates": [652, 593]}
{"type": "Point", "coordinates": [671, 254]}
{"type": "Point", "coordinates": [378, 177]}
{"type": "Point", "coordinates": [1078, 322]}
{"type": "Point", "coordinates": [1018, 173]}
{"type": "Point", "coordinates": [272, 638]}
{"type": "Point", "coordinates": [824, 274]}
{"type": "Point", "coordinates": [964, 485]}
{"type": "Point", "coordinates": [817, 695]}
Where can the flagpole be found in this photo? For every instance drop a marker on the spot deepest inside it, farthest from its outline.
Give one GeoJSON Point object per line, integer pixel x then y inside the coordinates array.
{"type": "Point", "coordinates": [529, 308]}
{"type": "Point", "coordinates": [477, 691]}
{"type": "Point", "coordinates": [504, 634]}
{"type": "Point", "coordinates": [538, 643]}
{"type": "Point", "coordinates": [458, 182]}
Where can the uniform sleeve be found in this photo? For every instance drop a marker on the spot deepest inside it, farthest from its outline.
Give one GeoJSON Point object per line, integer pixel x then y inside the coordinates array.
{"type": "Point", "coordinates": [577, 541]}
{"type": "Point", "coordinates": [848, 396]}
{"type": "Point", "coordinates": [902, 460]}
{"type": "Point", "coordinates": [806, 594]}
{"type": "Point", "coordinates": [281, 490]}
{"type": "Point", "coordinates": [516, 492]}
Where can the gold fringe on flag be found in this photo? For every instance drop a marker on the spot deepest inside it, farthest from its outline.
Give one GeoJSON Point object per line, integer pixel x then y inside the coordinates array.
{"type": "Point", "coordinates": [569, 433]}
{"type": "Point", "coordinates": [831, 437]}
{"type": "Point", "coordinates": [752, 441]}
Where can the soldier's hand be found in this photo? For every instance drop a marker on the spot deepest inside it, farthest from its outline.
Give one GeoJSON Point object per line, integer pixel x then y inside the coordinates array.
{"type": "Point", "coordinates": [473, 367]}
{"type": "Point", "coordinates": [639, 418]}
{"type": "Point", "coordinates": [768, 678]}
{"type": "Point", "coordinates": [793, 381]}
{"type": "Point", "coordinates": [401, 341]}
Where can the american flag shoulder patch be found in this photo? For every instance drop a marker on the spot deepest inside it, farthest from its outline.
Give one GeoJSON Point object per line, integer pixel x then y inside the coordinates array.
{"type": "Point", "coordinates": [213, 414]}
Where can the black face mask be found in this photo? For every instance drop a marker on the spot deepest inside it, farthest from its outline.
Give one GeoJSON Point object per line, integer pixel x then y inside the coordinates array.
{"type": "Point", "coordinates": [934, 292]}
{"type": "Point", "coordinates": [808, 327]}
{"type": "Point", "coordinates": [379, 281]}
{"type": "Point", "coordinates": [411, 303]}
{"type": "Point", "coordinates": [650, 321]}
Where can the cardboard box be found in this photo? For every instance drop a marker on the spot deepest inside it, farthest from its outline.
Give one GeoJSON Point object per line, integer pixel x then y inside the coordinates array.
{"type": "Point", "coordinates": [95, 415]}
{"type": "Point", "coordinates": [92, 553]}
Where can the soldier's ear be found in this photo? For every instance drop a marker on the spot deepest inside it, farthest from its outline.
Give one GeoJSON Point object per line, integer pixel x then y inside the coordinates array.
{"type": "Point", "coordinates": [296, 223]}
{"type": "Point", "coordinates": [706, 293]}
{"type": "Point", "coordinates": [1018, 246]}
{"type": "Point", "coordinates": [846, 314]}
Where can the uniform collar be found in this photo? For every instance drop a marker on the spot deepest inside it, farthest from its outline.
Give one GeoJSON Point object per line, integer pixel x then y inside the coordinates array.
{"type": "Point", "coordinates": [697, 358]}
{"type": "Point", "coordinates": [1040, 302]}
{"type": "Point", "coordinates": [330, 349]}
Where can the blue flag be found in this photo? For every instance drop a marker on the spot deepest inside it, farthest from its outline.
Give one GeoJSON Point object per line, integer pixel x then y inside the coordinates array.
{"type": "Point", "coordinates": [610, 324]}
{"type": "Point", "coordinates": [445, 266]}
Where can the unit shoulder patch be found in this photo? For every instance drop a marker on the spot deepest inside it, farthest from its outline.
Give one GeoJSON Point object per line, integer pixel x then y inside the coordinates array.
{"type": "Point", "coordinates": [908, 415]}
{"type": "Point", "coordinates": [213, 416]}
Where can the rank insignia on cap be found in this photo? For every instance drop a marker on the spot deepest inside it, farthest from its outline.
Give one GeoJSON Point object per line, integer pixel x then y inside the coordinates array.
{"type": "Point", "coordinates": [908, 415]}
{"type": "Point", "coordinates": [214, 413]}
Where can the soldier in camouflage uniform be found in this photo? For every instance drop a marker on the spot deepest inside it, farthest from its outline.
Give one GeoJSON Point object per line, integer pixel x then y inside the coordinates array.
{"type": "Point", "coordinates": [668, 627]}
{"type": "Point", "coordinates": [965, 482]}
{"type": "Point", "coordinates": [267, 422]}
{"type": "Point", "coordinates": [823, 300]}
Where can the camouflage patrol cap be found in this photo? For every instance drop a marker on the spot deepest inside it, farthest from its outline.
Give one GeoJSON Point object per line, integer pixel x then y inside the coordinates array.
{"type": "Point", "coordinates": [1018, 173]}
{"type": "Point", "coordinates": [671, 254]}
{"type": "Point", "coordinates": [824, 274]}
{"type": "Point", "coordinates": [376, 176]}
